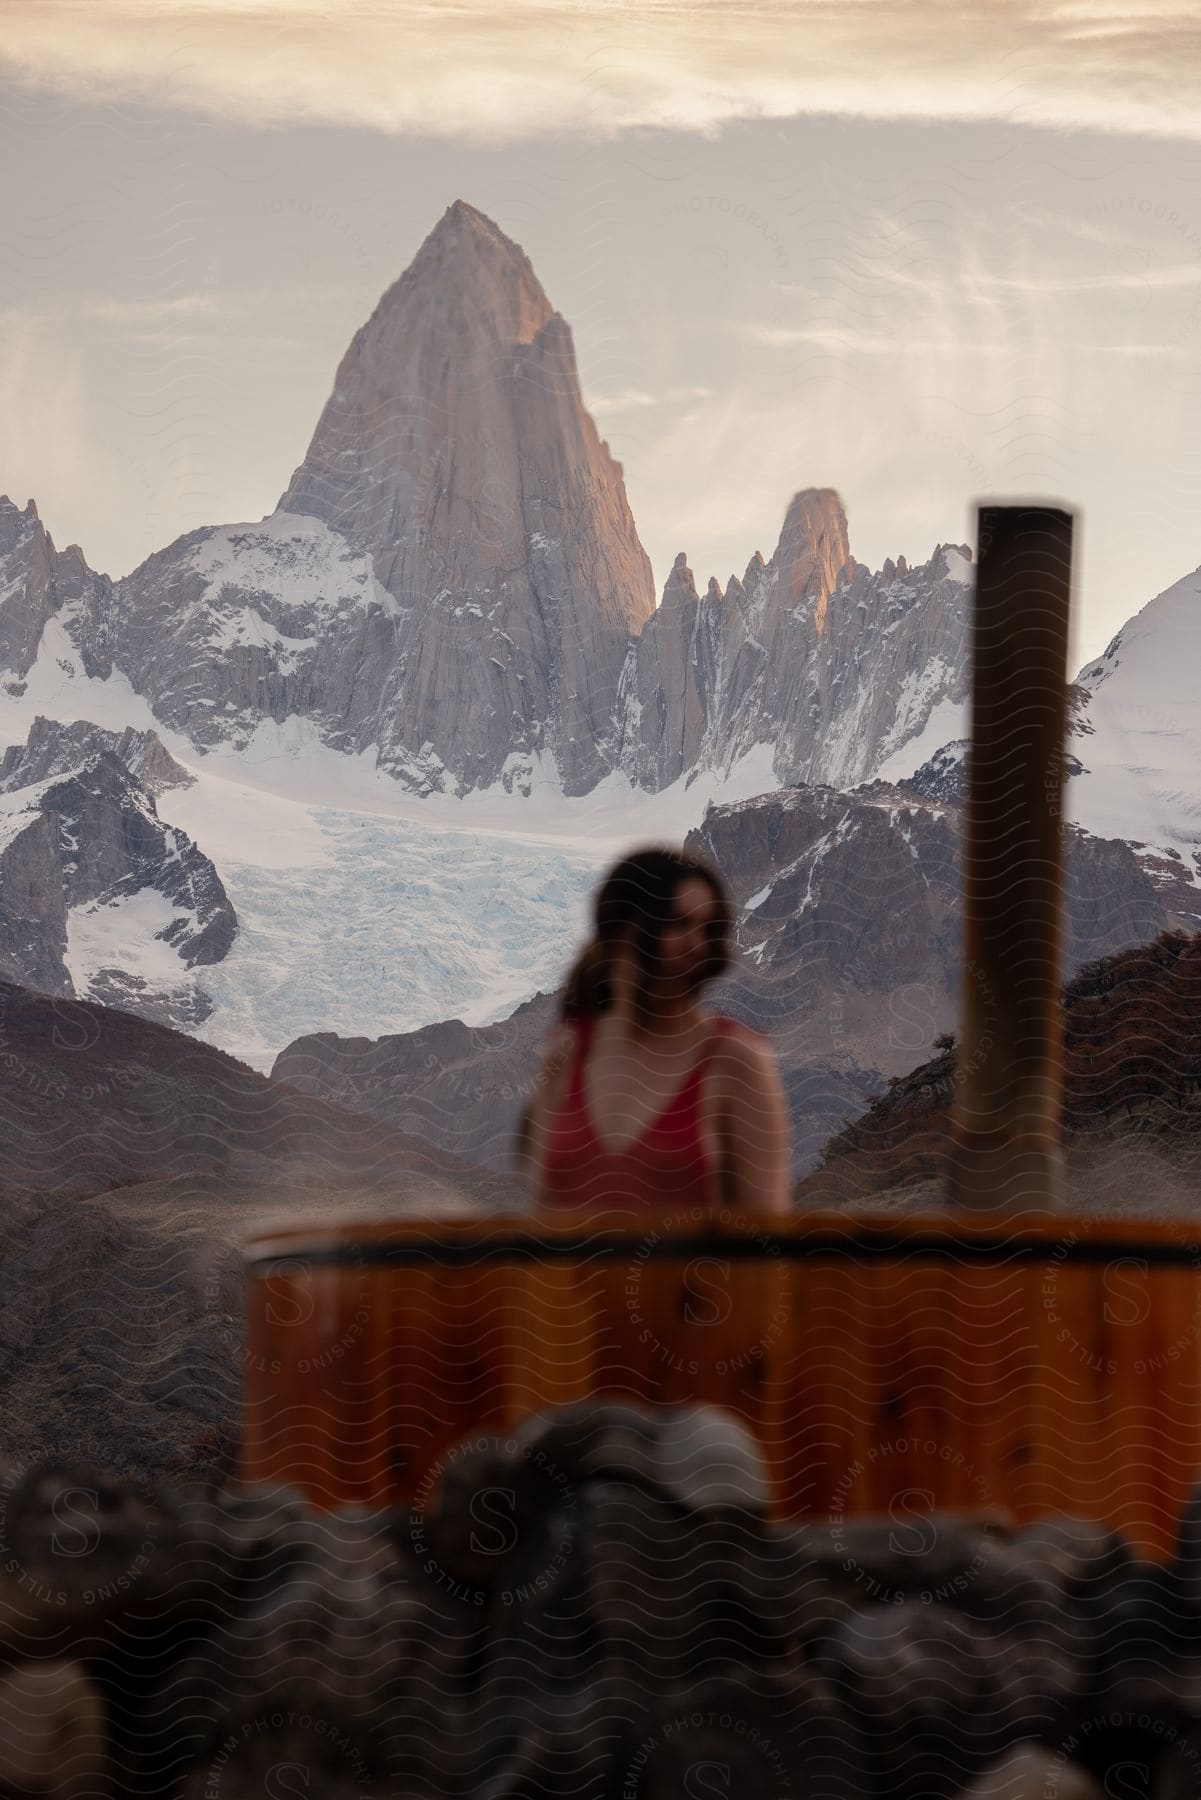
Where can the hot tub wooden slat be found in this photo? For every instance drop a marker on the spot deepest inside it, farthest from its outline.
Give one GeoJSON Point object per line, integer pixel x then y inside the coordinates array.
{"type": "Point", "coordinates": [1059, 1305]}
{"type": "Point", "coordinates": [1164, 1448]}
{"type": "Point", "coordinates": [925, 1368]}
{"type": "Point", "coordinates": [817, 1399]}
{"type": "Point", "coordinates": [991, 1384]}
{"type": "Point", "coordinates": [1030, 1366]}
{"type": "Point", "coordinates": [1128, 1332]}
{"type": "Point", "coordinates": [552, 1328]}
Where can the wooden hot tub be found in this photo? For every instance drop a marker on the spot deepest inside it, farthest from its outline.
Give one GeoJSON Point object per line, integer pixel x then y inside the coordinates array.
{"type": "Point", "coordinates": [998, 1355]}
{"type": "Point", "coordinates": [1036, 1364]}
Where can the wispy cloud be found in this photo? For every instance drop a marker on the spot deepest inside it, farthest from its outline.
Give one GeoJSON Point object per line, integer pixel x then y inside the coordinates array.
{"type": "Point", "coordinates": [478, 71]}
{"type": "Point", "coordinates": [637, 399]}
{"type": "Point", "coordinates": [150, 312]}
{"type": "Point", "coordinates": [841, 341]}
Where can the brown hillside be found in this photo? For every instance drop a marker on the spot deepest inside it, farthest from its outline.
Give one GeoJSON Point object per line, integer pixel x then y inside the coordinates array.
{"type": "Point", "coordinates": [132, 1160]}
{"type": "Point", "coordinates": [94, 1099]}
{"type": "Point", "coordinates": [1132, 1082]}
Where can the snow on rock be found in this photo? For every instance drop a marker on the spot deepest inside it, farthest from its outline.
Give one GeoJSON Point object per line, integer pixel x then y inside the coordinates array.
{"type": "Point", "coordinates": [945, 723]}
{"type": "Point", "coordinates": [299, 561]}
{"type": "Point", "coordinates": [1138, 736]}
{"type": "Point", "coordinates": [131, 934]}
{"type": "Point", "coordinates": [54, 748]}
{"type": "Point", "coordinates": [833, 668]}
{"type": "Point", "coordinates": [85, 842]}
{"type": "Point", "coordinates": [957, 562]}
{"type": "Point", "coordinates": [57, 686]}
{"type": "Point", "coordinates": [309, 838]}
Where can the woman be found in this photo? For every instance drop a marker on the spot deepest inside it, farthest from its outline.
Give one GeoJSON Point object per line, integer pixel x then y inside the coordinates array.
{"type": "Point", "coordinates": [641, 1099]}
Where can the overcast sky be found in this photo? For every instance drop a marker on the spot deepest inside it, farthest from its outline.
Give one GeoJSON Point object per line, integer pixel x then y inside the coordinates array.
{"type": "Point", "coordinates": [917, 252]}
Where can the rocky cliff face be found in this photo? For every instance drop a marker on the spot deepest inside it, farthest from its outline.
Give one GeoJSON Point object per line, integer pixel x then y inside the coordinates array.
{"type": "Point", "coordinates": [39, 583]}
{"type": "Point", "coordinates": [456, 447]}
{"type": "Point", "coordinates": [92, 879]}
{"type": "Point", "coordinates": [53, 748]}
{"type": "Point", "coordinates": [117, 846]}
{"type": "Point", "coordinates": [833, 667]}
{"type": "Point", "coordinates": [849, 912]}
{"type": "Point", "coordinates": [33, 905]}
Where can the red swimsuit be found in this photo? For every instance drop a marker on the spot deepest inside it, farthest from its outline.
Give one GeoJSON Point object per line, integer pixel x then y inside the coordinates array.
{"type": "Point", "coordinates": [665, 1165]}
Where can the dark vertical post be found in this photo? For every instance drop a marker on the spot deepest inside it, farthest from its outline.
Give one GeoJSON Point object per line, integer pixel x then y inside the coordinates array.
{"type": "Point", "coordinates": [1007, 1113]}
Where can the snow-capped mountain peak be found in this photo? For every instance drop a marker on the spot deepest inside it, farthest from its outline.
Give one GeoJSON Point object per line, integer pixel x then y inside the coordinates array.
{"type": "Point", "coordinates": [1139, 729]}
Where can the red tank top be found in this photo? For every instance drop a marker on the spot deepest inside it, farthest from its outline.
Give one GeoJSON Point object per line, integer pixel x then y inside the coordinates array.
{"type": "Point", "coordinates": [665, 1165]}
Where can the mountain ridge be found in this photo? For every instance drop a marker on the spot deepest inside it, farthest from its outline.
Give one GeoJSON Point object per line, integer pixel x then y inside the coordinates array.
{"type": "Point", "coordinates": [452, 580]}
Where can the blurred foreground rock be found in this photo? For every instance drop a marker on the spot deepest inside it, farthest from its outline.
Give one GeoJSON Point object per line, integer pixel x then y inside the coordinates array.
{"type": "Point", "coordinates": [596, 1605]}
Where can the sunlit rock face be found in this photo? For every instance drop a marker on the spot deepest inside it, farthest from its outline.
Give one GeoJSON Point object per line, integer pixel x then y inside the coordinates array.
{"type": "Point", "coordinates": [836, 669]}
{"type": "Point", "coordinates": [453, 576]}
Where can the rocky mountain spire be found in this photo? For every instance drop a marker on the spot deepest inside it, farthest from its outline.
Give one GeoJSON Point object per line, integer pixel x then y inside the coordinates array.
{"type": "Point", "coordinates": [457, 451]}
{"type": "Point", "coordinates": [811, 662]}
{"type": "Point", "coordinates": [813, 550]}
{"type": "Point", "coordinates": [452, 577]}
{"type": "Point", "coordinates": [424, 368]}
{"type": "Point", "coordinates": [39, 583]}
{"type": "Point", "coordinates": [670, 682]}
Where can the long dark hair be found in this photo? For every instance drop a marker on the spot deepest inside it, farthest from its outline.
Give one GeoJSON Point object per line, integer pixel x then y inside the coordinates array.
{"type": "Point", "coordinates": [636, 896]}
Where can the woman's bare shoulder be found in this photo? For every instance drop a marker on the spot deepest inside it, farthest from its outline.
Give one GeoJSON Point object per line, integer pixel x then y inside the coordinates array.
{"type": "Point", "coordinates": [745, 1058]}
